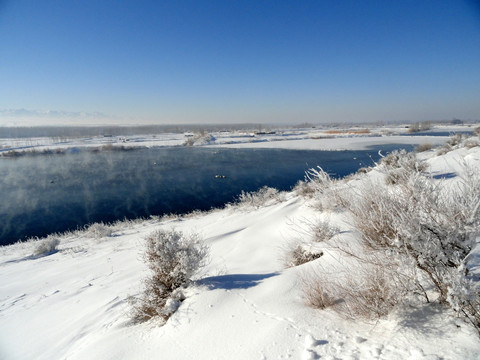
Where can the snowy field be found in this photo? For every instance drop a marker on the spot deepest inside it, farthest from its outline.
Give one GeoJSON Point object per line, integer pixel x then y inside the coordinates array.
{"type": "Point", "coordinates": [296, 139]}
{"type": "Point", "coordinates": [72, 302]}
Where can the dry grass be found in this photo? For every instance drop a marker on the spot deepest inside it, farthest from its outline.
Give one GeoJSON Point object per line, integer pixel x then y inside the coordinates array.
{"type": "Point", "coordinates": [365, 293]}
{"type": "Point", "coordinates": [317, 292]}
{"type": "Point", "coordinates": [424, 147]}
{"type": "Point", "coordinates": [349, 131]}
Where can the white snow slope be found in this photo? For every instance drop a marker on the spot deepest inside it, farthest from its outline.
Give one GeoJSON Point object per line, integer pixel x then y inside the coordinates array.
{"type": "Point", "coordinates": [73, 304]}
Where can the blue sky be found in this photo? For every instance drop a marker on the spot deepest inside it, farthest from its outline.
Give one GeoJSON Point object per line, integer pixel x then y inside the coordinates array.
{"type": "Point", "coordinates": [242, 61]}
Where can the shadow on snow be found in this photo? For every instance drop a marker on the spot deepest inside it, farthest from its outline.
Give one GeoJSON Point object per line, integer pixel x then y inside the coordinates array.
{"type": "Point", "coordinates": [235, 281]}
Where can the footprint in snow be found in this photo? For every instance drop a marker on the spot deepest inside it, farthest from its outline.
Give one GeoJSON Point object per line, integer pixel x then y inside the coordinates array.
{"type": "Point", "coordinates": [310, 344]}
{"type": "Point", "coordinates": [360, 340]}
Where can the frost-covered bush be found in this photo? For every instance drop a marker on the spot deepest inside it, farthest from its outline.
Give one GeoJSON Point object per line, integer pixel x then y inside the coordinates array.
{"type": "Point", "coordinates": [318, 179]}
{"type": "Point", "coordinates": [46, 246]}
{"type": "Point", "coordinates": [263, 197]}
{"type": "Point", "coordinates": [366, 292]}
{"type": "Point", "coordinates": [303, 188]}
{"type": "Point", "coordinates": [458, 141]}
{"type": "Point", "coordinates": [398, 164]}
{"type": "Point", "coordinates": [316, 182]}
{"type": "Point", "coordinates": [424, 147]}
{"type": "Point", "coordinates": [455, 140]}
{"type": "Point", "coordinates": [299, 253]}
{"type": "Point", "coordinates": [200, 138]}
{"type": "Point", "coordinates": [431, 227]}
{"type": "Point", "coordinates": [173, 260]}
{"type": "Point", "coordinates": [471, 142]}
{"type": "Point", "coordinates": [416, 237]}
{"type": "Point", "coordinates": [420, 126]}
{"type": "Point", "coordinates": [323, 188]}
{"type": "Point", "coordinates": [323, 231]}
{"type": "Point", "coordinates": [99, 230]}
{"type": "Point", "coordinates": [442, 150]}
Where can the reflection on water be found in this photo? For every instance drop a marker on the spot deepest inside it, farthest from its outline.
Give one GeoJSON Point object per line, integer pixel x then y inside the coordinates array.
{"type": "Point", "coordinates": [55, 193]}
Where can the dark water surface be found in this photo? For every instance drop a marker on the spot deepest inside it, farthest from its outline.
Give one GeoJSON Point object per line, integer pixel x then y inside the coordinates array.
{"type": "Point", "coordinates": [43, 194]}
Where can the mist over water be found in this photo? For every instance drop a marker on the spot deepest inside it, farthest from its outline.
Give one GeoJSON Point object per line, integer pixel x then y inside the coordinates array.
{"type": "Point", "coordinates": [42, 194]}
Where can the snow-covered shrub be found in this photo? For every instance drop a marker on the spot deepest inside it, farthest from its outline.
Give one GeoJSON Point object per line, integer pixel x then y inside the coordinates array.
{"type": "Point", "coordinates": [303, 189]}
{"type": "Point", "coordinates": [369, 295]}
{"type": "Point", "coordinates": [429, 226]}
{"type": "Point", "coordinates": [322, 230]}
{"type": "Point", "coordinates": [471, 142]}
{"type": "Point", "coordinates": [263, 197]}
{"type": "Point", "coordinates": [420, 126]}
{"type": "Point", "coordinates": [323, 188]}
{"type": "Point", "coordinates": [99, 230]}
{"type": "Point", "coordinates": [416, 235]}
{"type": "Point", "coordinates": [442, 150]}
{"type": "Point", "coordinates": [364, 170]}
{"type": "Point", "coordinates": [318, 179]}
{"type": "Point", "coordinates": [398, 164]}
{"type": "Point", "coordinates": [455, 140]}
{"type": "Point", "coordinates": [366, 292]}
{"type": "Point", "coordinates": [316, 182]}
{"type": "Point", "coordinates": [423, 147]}
{"type": "Point", "coordinates": [46, 246]}
{"type": "Point", "coordinates": [417, 221]}
{"type": "Point", "coordinates": [464, 295]}
{"type": "Point", "coordinates": [173, 259]}
{"type": "Point", "coordinates": [317, 290]}
{"type": "Point", "coordinates": [200, 138]}
{"type": "Point", "coordinates": [299, 253]}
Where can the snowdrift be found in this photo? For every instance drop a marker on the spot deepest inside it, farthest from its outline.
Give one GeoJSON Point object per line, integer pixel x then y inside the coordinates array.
{"type": "Point", "coordinates": [71, 301]}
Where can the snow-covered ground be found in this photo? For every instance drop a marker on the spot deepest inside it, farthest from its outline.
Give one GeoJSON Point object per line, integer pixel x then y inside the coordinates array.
{"type": "Point", "coordinates": [311, 138]}
{"type": "Point", "coordinates": [72, 304]}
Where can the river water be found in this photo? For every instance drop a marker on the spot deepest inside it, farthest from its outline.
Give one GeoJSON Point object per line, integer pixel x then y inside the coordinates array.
{"type": "Point", "coordinates": [42, 194]}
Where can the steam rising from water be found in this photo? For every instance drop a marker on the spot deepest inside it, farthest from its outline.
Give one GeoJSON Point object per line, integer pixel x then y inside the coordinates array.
{"type": "Point", "coordinates": [53, 193]}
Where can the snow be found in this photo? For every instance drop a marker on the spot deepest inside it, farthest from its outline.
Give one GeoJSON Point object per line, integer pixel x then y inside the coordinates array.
{"type": "Point", "coordinates": [294, 139]}
{"type": "Point", "coordinates": [73, 303]}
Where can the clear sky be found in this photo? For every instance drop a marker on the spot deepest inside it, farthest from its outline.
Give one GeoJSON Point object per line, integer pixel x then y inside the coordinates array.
{"type": "Point", "coordinates": [239, 61]}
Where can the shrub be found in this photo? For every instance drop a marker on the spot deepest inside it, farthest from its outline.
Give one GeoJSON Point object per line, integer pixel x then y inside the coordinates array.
{"type": "Point", "coordinates": [318, 179]}
{"type": "Point", "coordinates": [304, 189]}
{"type": "Point", "coordinates": [399, 164]}
{"type": "Point", "coordinates": [455, 140]}
{"type": "Point", "coordinates": [471, 142]}
{"type": "Point", "coordinates": [423, 126]}
{"type": "Point", "coordinates": [298, 254]}
{"type": "Point", "coordinates": [46, 246]}
{"type": "Point", "coordinates": [367, 292]}
{"type": "Point", "coordinates": [173, 259]}
{"type": "Point", "coordinates": [99, 230]}
{"type": "Point", "coordinates": [318, 291]}
{"type": "Point", "coordinates": [264, 196]}
{"type": "Point", "coordinates": [429, 227]}
{"type": "Point", "coordinates": [320, 185]}
{"type": "Point", "coordinates": [416, 236]}
{"type": "Point", "coordinates": [424, 147]}
{"type": "Point", "coordinates": [200, 138]}
{"type": "Point", "coordinates": [323, 231]}
{"type": "Point", "coordinates": [444, 150]}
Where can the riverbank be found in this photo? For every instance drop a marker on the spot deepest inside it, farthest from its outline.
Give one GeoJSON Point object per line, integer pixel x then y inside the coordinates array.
{"type": "Point", "coordinates": [72, 301]}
